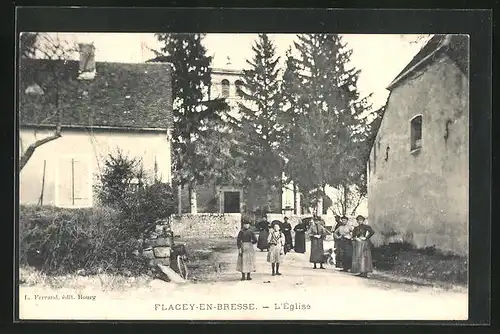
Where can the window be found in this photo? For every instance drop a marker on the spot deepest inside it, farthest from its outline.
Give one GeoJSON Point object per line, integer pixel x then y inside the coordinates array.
{"type": "Point", "coordinates": [238, 84]}
{"type": "Point", "coordinates": [416, 133]}
{"type": "Point", "coordinates": [225, 88]}
{"type": "Point", "coordinates": [74, 182]}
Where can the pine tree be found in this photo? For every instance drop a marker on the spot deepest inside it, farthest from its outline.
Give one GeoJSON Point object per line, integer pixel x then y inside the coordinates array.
{"type": "Point", "coordinates": [258, 125]}
{"type": "Point", "coordinates": [329, 116]}
{"type": "Point", "coordinates": [194, 116]}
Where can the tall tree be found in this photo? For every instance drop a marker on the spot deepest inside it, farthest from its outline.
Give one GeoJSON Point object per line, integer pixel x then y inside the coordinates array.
{"type": "Point", "coordinates": [259, 125]}
{"type": "Point", "coordinates": [193, 114]}
{"type": "Point", "coordinates": [329, 116]}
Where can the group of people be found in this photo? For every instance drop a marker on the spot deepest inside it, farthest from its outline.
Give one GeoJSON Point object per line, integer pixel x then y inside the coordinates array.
{"type": "Point", "coordinates": [353, 246]}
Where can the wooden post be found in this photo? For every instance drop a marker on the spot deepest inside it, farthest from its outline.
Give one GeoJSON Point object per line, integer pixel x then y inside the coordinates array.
{"type": "Point", "coordinates": [40, 201]}
{"type": "Point", "coordinates": [73, 180]}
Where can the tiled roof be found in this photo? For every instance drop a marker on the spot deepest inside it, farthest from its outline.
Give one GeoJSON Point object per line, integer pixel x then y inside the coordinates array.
{"type": "Point", "coordinates": [455, 46]}
{"type": "Point", "coordinates": [120, 95]}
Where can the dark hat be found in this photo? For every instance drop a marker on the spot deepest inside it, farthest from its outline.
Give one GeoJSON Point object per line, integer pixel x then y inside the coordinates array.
{"type": "Point", "coordinates": [344, 217]}
{"type": "Point", "coordinates": [360, 217]}
{"type": "Point", "coordinates": [285, 219]}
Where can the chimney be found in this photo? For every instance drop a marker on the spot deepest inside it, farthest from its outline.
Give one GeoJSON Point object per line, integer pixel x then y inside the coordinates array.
{"type": "Point", "coordinates": [87, 61]}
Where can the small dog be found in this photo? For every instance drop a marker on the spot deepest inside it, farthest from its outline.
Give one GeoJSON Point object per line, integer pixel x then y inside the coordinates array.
{"type": "Point", "coordinates": [329, 257]}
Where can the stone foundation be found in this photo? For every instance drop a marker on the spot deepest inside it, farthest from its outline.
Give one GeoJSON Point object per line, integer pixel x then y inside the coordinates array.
{"type": "Point", "coordinates": [206, 225]}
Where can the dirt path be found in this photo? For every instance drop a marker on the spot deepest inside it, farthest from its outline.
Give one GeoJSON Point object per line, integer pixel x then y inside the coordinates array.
{"type": "Point", "coordinates": [301, 293]}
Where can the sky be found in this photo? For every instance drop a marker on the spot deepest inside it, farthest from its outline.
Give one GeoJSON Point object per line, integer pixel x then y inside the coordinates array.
{"type": "Point", "coordinates": [379, 57]}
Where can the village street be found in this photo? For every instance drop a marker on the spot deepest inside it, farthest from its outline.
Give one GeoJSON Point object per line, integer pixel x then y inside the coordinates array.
{"type": "Point", "coordinates": [301, 293]}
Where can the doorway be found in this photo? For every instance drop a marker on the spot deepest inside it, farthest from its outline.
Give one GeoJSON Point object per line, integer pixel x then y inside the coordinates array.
{"type": "Point", "coordinates": [231, 202]}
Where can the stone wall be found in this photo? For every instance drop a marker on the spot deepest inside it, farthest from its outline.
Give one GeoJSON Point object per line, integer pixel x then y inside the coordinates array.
{"type": "Point", "coordinates": [421, 196]}
{"type": "Point", "coordinates": [206, 225]}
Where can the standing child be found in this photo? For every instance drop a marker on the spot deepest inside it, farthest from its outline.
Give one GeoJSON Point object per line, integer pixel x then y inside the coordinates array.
{"type": "Point", "coordinates": [246, 253]}
{"type": "Point", "coordinates": [276, 241]}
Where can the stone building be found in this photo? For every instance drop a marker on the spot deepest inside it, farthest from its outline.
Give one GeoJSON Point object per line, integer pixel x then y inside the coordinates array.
{"type": "Point", "coordinates": [226, 198]}
{"type": "Point", "coordinates": [418, 177]}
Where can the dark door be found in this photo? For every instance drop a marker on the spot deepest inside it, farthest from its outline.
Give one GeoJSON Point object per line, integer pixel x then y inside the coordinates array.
{"type": "Point", "coordinates": [231, 201]}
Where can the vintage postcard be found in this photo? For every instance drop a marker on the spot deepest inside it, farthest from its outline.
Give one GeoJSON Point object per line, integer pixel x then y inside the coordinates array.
{"type": "Point", "coordinates": [225, 176]}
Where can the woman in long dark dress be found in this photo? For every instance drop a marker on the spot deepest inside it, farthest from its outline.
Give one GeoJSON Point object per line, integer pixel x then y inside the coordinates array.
{"type": "Point", "coordinates": [317, 233]}
{"type": "Point", "coordinates": [343, 240]}
{"type": "Point", "coordinates": [286, 229]}
{"type": "Point", "coordinates": [300, 237]}
{"type": "Point", "coordinates": [246, 253]}
{"type": "Point", "coordinates": [263, 227]}
{"type": "Point", "coordinates": [362, 262]}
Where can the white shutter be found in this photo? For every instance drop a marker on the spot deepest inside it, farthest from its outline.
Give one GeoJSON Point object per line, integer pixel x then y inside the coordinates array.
{"type": "Point", "coordinates": [64, 182]}
{"type": "Point", "coordinates": [74, 182]}
{"type": "Point", "coordinates": [82, 182]}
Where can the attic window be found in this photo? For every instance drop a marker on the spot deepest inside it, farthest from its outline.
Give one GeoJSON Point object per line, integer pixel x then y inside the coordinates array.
{"type": "Point", "coordinates": [416, 133]}
{"type": "Point", "coordinates": [225, 88]}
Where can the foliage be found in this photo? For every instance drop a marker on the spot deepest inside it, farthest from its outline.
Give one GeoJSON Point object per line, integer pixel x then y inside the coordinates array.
{"type": "Point", "coordinates": [28, 44]}
{"type": "Point", "coordinates": [258, 128]}
{"type": "Point", "coordinates": [193, 114]}
{"type": "Point", "coordinates": [116, 179]}
{"type": "Point", "coordinates": [125, 186]}
{"type": "Point", "coordinates": [325, 119]}
{"type": "Point", "coordinates": [105, 238]}
{"type": "Point", "coordinates": [60, 241]}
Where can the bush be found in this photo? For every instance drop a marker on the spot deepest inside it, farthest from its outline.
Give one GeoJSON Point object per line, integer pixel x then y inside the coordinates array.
{"type": "Point", "coordinates": [140, 204]}
{"type": "Point", "coordinates": [143, 207]}
{"type": "Point", "coordinates": [60, 241]}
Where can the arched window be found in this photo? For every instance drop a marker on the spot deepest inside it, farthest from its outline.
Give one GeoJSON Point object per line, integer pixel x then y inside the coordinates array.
{"type": "Point", "coordinates": [225, 88]}
{"type": "Point", "coordinates": [238, 84]}
{"type": "Point", "coordinates": [416, 133]}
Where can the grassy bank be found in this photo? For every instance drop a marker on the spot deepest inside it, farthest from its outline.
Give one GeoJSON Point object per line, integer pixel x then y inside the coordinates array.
{"type": "Point", "coordinates": [427, 264]}
{"type": "Point", "coordinates": [202, 254]}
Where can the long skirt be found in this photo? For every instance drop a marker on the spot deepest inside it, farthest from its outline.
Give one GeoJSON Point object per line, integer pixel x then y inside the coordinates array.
{"type": "Point", "coordinates": [288, 241]}
{"type": "Point", "coordinates": [344, 247]}
{"type": "Point", "coordinates": [274, 254]}
{"type": "Point", "coordinates": [246, 259]}
{"type": "Point", "coordinates": [262, 241]}
{"type": "Point", "coordinates": [362, 257]}
{"type": "Point", "coordinates": [300, 242]}
{"type": "Point", "coordinates": [317, 251]}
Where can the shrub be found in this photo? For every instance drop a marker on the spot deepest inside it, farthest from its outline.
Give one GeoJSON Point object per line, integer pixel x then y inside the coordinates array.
{"type": "Point", "coordinates": [59, 241]}
{"type": "Point", "coordinates": [147, 204]}
{"type": "Point", "coordinates": [140, 204]}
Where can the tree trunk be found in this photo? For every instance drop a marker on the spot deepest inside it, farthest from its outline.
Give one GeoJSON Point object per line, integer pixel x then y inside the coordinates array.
{"type": "Point", "coordinates": [31, 149]}
{"type": "Point", "coordinates": [356, 206]}
{"type": "Point", "coordinates": [192, 199]}
{"type": "Point", "coordinates": [294, 198]}
{"type": "Point", "coordinates": [179, 199]}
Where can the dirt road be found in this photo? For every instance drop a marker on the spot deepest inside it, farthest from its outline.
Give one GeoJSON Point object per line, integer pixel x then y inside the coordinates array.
{"type": "Point", "coordinates": [301, 293]}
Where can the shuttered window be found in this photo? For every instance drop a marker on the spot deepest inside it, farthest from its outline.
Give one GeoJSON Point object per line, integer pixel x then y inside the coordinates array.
{"type": "Point", "coordinates": [74, 182]}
